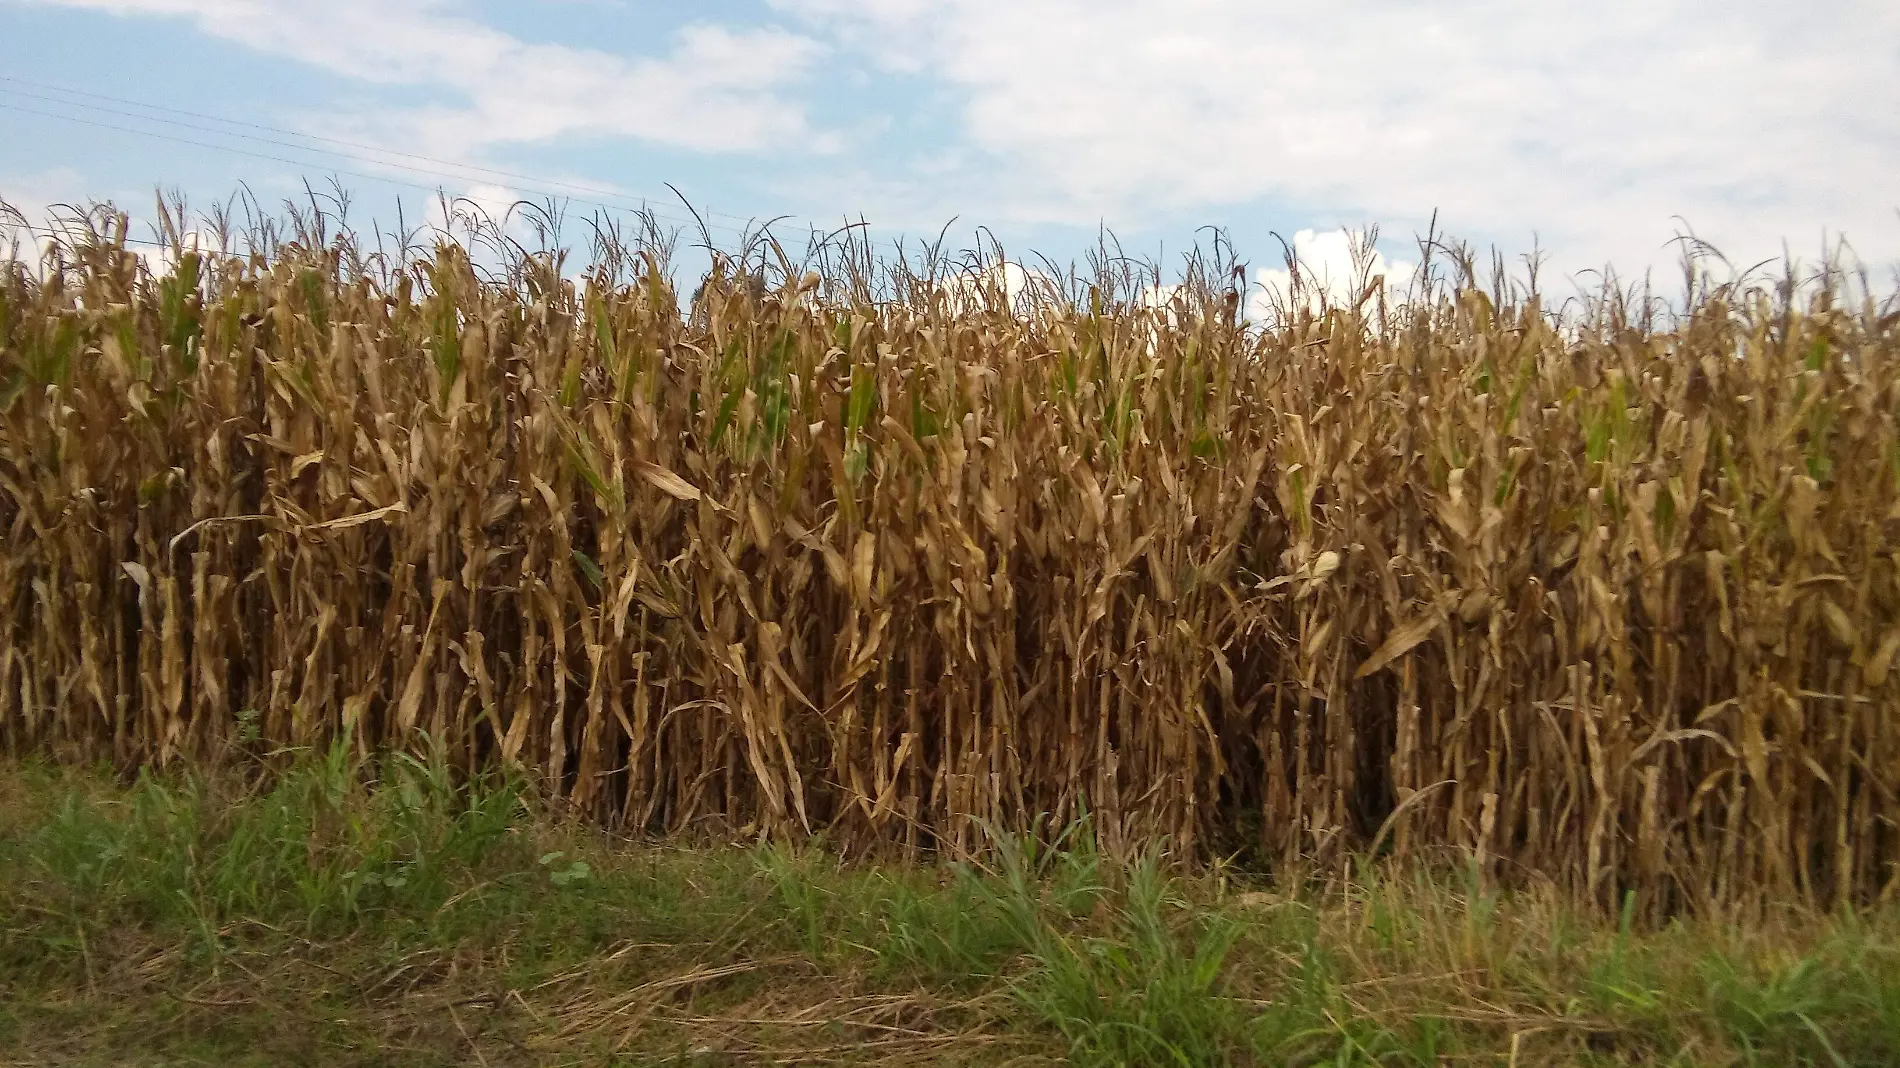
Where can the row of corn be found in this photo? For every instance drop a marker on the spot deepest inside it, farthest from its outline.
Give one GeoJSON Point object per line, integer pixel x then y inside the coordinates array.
{"type": "Point", "coordinates": [1610, 597]}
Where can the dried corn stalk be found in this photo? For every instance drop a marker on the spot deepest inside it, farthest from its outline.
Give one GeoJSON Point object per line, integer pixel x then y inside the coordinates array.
{"type": "Point", "coordinates": [1610, 601]}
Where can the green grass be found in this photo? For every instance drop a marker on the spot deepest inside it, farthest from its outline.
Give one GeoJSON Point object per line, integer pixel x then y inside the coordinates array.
{"type": "Point", "coordinates": [401, 914]}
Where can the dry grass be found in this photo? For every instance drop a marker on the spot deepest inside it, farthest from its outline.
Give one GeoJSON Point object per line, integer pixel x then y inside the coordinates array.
{"type": "Point", "coordinates": [1613, 601]}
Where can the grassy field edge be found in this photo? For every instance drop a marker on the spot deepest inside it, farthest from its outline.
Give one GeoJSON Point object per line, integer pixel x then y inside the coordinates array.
{"type": "Point", "coordinates": [388, 914]}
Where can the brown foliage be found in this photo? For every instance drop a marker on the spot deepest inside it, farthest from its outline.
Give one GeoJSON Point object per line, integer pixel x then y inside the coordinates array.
{"type": "Point", "coordinates": [1613, 600]}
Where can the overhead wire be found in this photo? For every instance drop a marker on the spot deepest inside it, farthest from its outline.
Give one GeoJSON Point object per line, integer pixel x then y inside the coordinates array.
{"type": "Point", "coordinates": [327, 167]}
{"type": "Point", "coordinates": [571, 187]}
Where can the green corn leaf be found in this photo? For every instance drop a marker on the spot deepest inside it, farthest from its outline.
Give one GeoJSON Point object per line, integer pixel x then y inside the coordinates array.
{"type": "Point", "coordinates": [589, 568]}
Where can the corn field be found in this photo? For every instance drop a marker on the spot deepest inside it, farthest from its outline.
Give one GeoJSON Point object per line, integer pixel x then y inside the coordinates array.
{"type": "Point", "coordinates": [1610, 597]}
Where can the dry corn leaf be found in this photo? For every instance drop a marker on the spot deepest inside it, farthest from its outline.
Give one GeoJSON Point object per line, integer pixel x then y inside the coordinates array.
{"type": "Point", "coordinates": [667, 482]}
{"type": "Point", "coordinates": [1398, 643]}
{"type": "Point", "coordinates": [1879, 664]}
{"type": "Point", "coordinates": [361, 518]}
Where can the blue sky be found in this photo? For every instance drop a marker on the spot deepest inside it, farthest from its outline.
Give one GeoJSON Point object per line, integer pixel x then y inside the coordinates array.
{"type": "Point", "coordinates": [1595, 129]}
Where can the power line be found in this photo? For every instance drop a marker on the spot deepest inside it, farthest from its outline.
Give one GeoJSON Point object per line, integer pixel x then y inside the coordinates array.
{"type": "Point", "coordinates": [286, 144]}
{"type": "Point", "coordinates": [574, 187]}
{"type": "Point", "coordinates": [321, 165]}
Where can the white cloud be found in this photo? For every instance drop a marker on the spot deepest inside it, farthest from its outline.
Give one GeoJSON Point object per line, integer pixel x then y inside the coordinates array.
{"type": "Point", "coordinates": [1334, 267]}
{"type": "Point", "coordinates": [32, 192]}
{"type": "Point", "coordinates": [1593, 123]}
{"type": "Point", "coordinates": [485, 204]}
{"type": "Point", "coordinates": [1159, 296]}
{"type": "Point", "coordinates": [45, 203]}
{"type": "Point", "coordinates": [1007, 281]}
{"type": "Point", "coordinates": [33, 195]}
{"type": "Point", "coordinates": [716, 90]}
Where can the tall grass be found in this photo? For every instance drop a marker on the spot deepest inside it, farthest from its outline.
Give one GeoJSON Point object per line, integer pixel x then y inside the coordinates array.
{"type": "Point", "coordinates": [319, 846]}
{"type": "Point", "coordinates": [1610, 598]}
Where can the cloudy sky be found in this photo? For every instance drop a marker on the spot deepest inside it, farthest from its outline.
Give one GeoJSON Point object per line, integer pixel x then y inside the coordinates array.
{"type": "Point", "coordinates": [1596, 129]}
